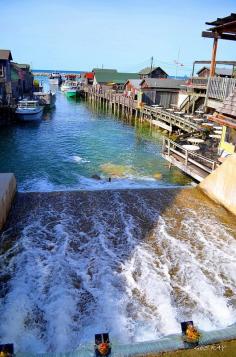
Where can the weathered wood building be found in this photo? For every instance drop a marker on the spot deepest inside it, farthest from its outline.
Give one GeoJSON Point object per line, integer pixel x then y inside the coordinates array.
{"type": "Point", "coordinates": [16, 80]}
{"type": "Point", "coordinates": [149, 72]}
{"type": "Point", "coordinates": [204, 72]}
{"type": "Point", "coordinates": [132, 88]}
{"type": "Point", "coordinates": [161, 91]}
{"type": "Point", "coordinates": [5, 76]}
{"type": "Point", "coordinates": [112, 79]}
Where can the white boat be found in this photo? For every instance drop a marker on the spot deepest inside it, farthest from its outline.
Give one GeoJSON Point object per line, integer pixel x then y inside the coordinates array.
{"type": "Point", "coordinates": [55, 78]}
{"type": "Point", "coordinates": [29, 110]}
{"type": "Point", "coordinates": [66, 85]}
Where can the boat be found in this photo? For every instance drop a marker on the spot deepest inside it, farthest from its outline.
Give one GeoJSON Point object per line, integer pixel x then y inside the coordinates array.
{"type": "Point", "coordinates": [65, 86]}
{"type": "Point", "coordinates": [71, 92]}
{"type": "Point", "coordinates": [70, 88]}
{"type": "Point", "coordinates": [29, 110]}
{"type": "Point", "coordinates": [55, 78]}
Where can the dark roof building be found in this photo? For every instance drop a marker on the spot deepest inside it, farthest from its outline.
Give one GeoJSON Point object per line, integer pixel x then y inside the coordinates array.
{"type": "Point", "coordinates": [149, 72]}
{"type": "Point", "coordinates": [5, 55]}
{"type": "Point", "coordinates": [161, 91]}
{"type": "Point", "coordinates": [221, 72]}
{"type": "Point", "coordinates": [168, 83]}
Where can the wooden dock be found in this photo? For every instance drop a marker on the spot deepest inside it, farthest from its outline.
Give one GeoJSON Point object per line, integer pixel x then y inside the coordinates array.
{"type": "Point", "coordinates": [195, 165]}
{"type": "Point", "coordinates": [119, 104]}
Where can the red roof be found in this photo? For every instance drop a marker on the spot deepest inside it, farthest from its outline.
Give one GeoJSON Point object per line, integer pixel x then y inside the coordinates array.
{"type": "Point", "coordinates": [89, 75]}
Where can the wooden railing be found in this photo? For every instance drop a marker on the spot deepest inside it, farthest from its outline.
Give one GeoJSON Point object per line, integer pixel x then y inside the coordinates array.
{"type": "Point", "coordinates": [220, 88]}
{"type": "Point", "coordinates": [199, 82]}
{"type": "Point", "coordinates": [189, 158]}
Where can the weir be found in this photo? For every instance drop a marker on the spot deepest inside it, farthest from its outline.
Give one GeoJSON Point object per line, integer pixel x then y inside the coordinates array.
{"type": "Point", "coordinates": [165, 344]}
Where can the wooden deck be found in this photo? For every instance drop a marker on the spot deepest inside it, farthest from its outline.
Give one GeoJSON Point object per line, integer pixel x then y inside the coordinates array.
{"type": "Point", "coordinates": [119, 104]}
{"type": "Point", "coordinates": [193, 164]}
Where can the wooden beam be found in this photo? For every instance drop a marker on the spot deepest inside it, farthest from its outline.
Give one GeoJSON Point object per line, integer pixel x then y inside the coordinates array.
{"type": "Point", "coordinates": [218, 36]}
{"type": "Point", "coordinates": [213, 59]}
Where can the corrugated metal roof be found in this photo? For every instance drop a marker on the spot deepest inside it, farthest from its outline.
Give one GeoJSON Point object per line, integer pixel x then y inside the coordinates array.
{"type": "Point", "coordinates": [218, 71]}
{"type": "Point", "coordinates": [5, 55]}
{"type": "Point", "coordinates": [104, 70]}
{"type": "Point", "coordinates": [163, 83]}
{"type": "Point", "coordinates": [148, 70]}
{"type": "Point", "coordinates": [114, 77]}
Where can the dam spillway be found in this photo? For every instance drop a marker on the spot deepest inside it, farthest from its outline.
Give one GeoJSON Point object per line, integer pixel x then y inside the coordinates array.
{"type": "Point", "coordinates": [133, 262]}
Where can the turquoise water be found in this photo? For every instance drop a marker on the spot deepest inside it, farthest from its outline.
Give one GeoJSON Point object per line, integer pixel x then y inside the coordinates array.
{"type": "Point", "coordinates": [74, 142]}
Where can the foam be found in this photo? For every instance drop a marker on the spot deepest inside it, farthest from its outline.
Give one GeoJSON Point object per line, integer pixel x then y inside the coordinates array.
{"type": "Point", "coordinates": [78, 273]}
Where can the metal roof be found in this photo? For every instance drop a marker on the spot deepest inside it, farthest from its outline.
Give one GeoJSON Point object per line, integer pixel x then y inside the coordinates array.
{"type": "Point", "coordinates": [233, 63]}
{"type": "Point", "coordinates": [148, 70]}
{"type": "Point", "coordinates": [5, 55]}
{"type": "Point", "coordinates": [114, 77]}
{"type": "Point", "coordinates": [219, 71]}
{"type": "Point", "coordinates": [104, 70]}
{"type": "Point", "coordinates": [168, 83]}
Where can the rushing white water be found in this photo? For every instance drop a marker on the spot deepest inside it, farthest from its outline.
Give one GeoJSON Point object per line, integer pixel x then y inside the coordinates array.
{"type": "Point", "coordinates": [133, 263]}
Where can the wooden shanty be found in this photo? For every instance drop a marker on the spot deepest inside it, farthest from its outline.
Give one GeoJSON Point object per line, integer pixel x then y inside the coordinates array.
{"type": "Point", "coordinates": [223, 28]}
{"type": "Point", "coordinates": [152, 72]}
{"type": "Point", "coordinates": [161, 91]}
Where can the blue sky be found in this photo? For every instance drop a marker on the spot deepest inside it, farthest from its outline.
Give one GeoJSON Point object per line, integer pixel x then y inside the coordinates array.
{"type": "Point", "coordinates": [122, 34]}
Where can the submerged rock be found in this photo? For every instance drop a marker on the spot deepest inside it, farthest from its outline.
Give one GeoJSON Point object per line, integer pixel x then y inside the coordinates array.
{"type": "Point", "coordinates": [96, 177]}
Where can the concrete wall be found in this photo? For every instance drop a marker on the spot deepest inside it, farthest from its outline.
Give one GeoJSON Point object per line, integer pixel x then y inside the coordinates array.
{"type": "Point", "coordinates": [7, 193]}
{"type": "Point", "coordinates": [220, 185]}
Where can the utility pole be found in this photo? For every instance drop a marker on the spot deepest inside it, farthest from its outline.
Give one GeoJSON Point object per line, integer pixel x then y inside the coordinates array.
{"type": "Point", "coordinates": [151, 62]}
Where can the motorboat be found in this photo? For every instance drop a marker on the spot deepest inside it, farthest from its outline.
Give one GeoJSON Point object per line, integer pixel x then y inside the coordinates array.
{"type": "Point", "coordinates": [65, 86]}
{"type": "Point", "coordinates": [29, 110]}
{"type": "Point", "coordinates": [70, 88]}
{"type": "Point", "coordinates": [55, 78]}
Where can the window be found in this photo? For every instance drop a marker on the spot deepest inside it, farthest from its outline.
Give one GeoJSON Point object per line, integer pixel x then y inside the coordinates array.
{"type": "Point", "coordinates": [1, 70]}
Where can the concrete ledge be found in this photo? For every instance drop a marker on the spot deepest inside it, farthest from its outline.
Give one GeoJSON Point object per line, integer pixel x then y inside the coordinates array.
{"type": "Point", "coordinates": [220, 185]}
{"type": "Point", "coordinates": [7, 193]}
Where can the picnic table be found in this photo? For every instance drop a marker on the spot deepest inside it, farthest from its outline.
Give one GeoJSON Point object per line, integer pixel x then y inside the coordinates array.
{"type": "Point", "coordinates": [191, 147]}
{"type": "Point", "coordinates": [195, 140]}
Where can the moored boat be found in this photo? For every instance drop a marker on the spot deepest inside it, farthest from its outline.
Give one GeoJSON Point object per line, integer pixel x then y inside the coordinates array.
{"type": "Point", "coordinates": [55, 78]}
{"type": "Point", "coordinates": [71, 92]}
{"type": "Point", "coordinates": [29, 110]}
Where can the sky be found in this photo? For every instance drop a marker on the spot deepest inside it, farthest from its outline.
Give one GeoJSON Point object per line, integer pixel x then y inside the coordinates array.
{"type": "Point", "coordinates": [121, 34]}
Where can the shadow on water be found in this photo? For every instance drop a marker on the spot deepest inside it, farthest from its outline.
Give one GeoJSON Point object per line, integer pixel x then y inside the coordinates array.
{"type": "Point", "coordinates": [126, 261]}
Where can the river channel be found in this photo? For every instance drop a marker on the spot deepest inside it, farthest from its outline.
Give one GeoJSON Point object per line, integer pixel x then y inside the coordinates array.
{"type": "Point", "coordinates": [83, 258]}
{"type": "Point", "coordinates": [76, 141]}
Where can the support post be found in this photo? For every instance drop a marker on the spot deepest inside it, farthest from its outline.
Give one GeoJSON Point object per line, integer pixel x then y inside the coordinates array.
{"type": "Point", "coordinates": [213, 58]}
